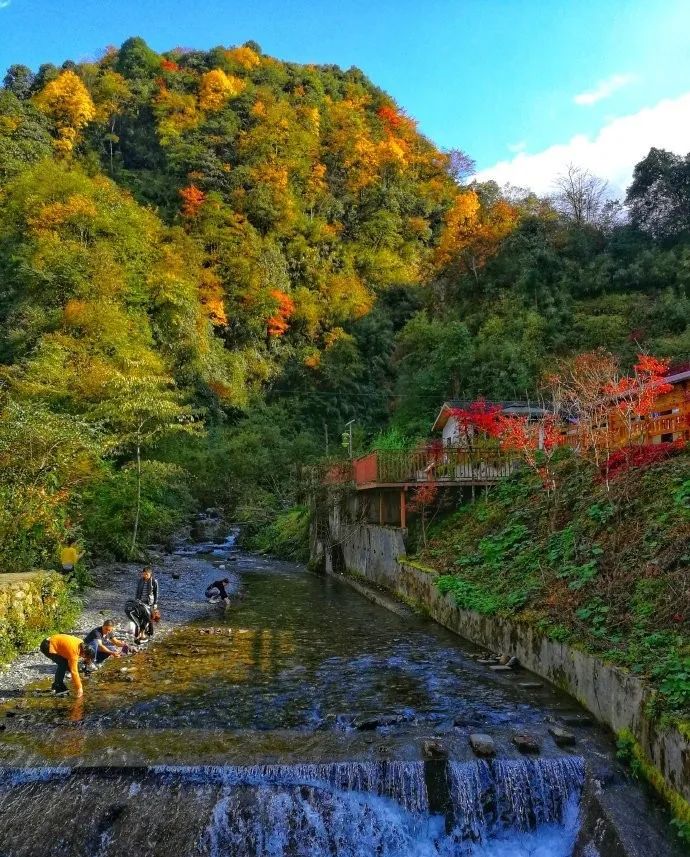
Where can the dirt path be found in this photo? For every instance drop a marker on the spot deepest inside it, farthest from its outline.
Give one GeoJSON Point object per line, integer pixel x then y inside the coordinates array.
{"type": "Point", "coordinates": [181, 580]}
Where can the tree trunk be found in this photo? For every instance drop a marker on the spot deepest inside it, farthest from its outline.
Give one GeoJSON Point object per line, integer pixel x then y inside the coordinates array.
{"type": "Point", "coordinates": [138, 506]}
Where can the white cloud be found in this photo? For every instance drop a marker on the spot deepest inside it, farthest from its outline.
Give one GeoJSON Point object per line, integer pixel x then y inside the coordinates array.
{"type": "Point", "coordinates": [611, 154]}
{"type": "Point", "coordinates": [604, 89]}
{"type": "Point", "coordinates": [517, 147]}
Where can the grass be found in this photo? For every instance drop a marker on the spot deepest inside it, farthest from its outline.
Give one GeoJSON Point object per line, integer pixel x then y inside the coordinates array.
{"type": "Point", "coordinates": [606, 570]}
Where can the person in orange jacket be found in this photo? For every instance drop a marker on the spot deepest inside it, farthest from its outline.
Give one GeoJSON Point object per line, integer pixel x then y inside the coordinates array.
{"type": "Point", "coordinates": [64, 650]}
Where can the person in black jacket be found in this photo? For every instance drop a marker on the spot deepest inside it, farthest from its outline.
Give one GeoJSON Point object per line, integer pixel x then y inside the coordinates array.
{"type": "Point", "coordinates": [145, 607]}
{"type": "Point", "coordinates": [216, 591]}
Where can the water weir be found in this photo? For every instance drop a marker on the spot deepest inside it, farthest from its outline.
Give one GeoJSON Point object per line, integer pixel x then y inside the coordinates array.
{"type": "Point", "coordinates": [346, 809]}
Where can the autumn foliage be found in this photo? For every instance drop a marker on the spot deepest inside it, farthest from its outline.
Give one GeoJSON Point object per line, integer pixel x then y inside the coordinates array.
{"type": "Point", "coordinates": [638, 456]}
{"type": "Point", "coordinates": [68, 103]}
{"type": "Point", "coordinates": [192, 200]}
{"type": "Point", "coordinates": [277, 323]}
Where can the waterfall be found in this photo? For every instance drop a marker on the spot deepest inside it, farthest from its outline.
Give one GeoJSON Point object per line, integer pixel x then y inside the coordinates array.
{"type": "Point", "coordinates": [516, 794]}
{"type": "Point", "coordinates": [402, 782]}
{"type": "Point", "coordinates": [357, 809]}
{"type": "Point", "coordinates": [510, 808]}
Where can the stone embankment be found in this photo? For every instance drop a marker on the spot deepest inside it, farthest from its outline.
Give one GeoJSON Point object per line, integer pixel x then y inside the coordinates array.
{"type": "Point", "coordinates": [615, 697]}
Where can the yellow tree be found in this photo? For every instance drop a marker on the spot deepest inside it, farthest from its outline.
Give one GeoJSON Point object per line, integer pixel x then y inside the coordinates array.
{"type": "Point", "coordinates": [472, 232]}
{"type": "Point", "coordinates": [68, 103]}
{"type": "Point", "coordinates": [216, 88]}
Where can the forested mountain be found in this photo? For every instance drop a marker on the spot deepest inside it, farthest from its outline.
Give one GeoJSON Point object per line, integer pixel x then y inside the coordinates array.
{"type": "Point", "coordinates": [210, 261]}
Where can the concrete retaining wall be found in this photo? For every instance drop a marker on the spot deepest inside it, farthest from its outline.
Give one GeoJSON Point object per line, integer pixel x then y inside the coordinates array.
{"type": "Point", "coordinates": [615, 697]}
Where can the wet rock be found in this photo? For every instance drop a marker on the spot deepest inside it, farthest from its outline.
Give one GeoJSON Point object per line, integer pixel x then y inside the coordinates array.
{"type": "Point", "coordinates": [485, 662]}
{"type": "Point", "coordinates": [576, 719]}
{"type": "Point", "coordinates": [432, 748]}
{"type": "Point", "coordinates": [531, 685]}
{"type": "Point", "coordinates": [482, 745]}
{"type": "Point", "coordinates": [501, 668]}
{"type": "Point", "coordinates": [514, 663]}
{"type": "Point", "coordinates": [366, 723]}
{"type": "Point", "coordinates": [175, 575]}
{"type": "Point", "coordinates": [562, 737]}
{"type": "Point", "coordinates": [526, 743]}
{"type": "Point", "coordinates": [503, 660]}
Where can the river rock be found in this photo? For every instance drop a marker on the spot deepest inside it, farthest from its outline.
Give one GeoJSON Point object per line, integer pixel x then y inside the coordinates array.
{"type": "Point", "coordinates": [526, 743]}
{"type": "Point", "coordinates": [501, 668]}
{"type": "Point", "coordinates": [366, 723]}
{"type": "Point", "coordinates": [486, 661]}
{"type": "Point", "coordinates": [432, 748]}
{"type": "Point", "coordinates": [576, 719]}
{"type": "Point", "coordinates": [482, 745]}
{"type": "Point", "coordinates": [531, 685]}
{"type": "Point", "coordinates": [175, 575]}
{"type": "Point", "coordinates": [503, 660]}
{"type": "Point", "coordinates": [562, 737]}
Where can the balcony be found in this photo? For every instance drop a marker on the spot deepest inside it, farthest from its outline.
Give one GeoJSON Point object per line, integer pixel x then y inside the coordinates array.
{"type": "Point", "coordinates": [447, 466]}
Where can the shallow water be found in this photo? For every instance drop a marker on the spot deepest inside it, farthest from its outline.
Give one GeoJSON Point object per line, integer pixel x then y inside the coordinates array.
{"type": "Point", "coordinates": [300, 673]}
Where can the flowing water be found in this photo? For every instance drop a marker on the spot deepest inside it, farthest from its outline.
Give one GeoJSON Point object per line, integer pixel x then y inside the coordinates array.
{"type": "Point", "coordinates": [293, 724]}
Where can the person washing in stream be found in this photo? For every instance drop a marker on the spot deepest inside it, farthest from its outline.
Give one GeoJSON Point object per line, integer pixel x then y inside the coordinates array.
{"type": "Point", "coordinates": [216, 592]}
{"type": "Point", "coordinates": [101, 643]}
{"type": "Point", "coordinates": [143, 610]}
{"type": "Point", "coordinates": [65, 651]}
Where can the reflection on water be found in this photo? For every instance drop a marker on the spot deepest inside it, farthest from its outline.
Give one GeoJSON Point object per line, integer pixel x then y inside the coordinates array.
{"type": "Point", "coordinates": [299, 653]}
{"type": "Point", "coordinates": [337, 693]}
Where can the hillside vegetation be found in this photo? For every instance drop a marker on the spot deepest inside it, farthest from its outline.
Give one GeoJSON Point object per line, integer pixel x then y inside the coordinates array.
{"type": "Point", "coordinates": [210, 261]}
{"type": "Point", "coordinates": [605, 569]}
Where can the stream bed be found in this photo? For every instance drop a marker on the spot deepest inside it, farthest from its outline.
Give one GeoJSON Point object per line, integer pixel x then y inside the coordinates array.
{"type": "Point", "coordinates": [302, 720]}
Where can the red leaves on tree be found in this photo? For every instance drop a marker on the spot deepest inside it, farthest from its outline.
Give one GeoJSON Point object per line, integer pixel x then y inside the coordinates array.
{"type": "Point", "coordinates": [479, 416]}
{"type": "Point", "coordinates": [639, 456]}
{"type": "Point", "coordinates": [192, 200]}
{"type": "Point", "coordinates": [169, 65]}
{"type": "Point", "coordinates": [391, 116]}
{"type": "Point", "coordinates": [277, 324]}
{"type": "Point", "coordinates": [424, 496]}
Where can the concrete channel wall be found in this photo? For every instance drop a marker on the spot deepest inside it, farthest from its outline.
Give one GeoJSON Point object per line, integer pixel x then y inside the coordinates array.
{"type": "Point", "coordinates": [615, 697]}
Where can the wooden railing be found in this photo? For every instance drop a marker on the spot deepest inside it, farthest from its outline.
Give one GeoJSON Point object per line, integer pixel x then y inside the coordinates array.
{"type": "Point", "coordinates": [483, 466]}
{"type": "Point", "coordinates": [450, 464]}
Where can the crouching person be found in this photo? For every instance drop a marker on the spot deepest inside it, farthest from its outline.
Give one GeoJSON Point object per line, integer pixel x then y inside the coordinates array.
{"type": "Point", "coordinates": [101, 643]}
{"type": "Point", "coordinates": [140, 617]}
{"type": "Point", "coordinates": [217, 591]}
{"type": "Point", "coordinates": [65, 651]}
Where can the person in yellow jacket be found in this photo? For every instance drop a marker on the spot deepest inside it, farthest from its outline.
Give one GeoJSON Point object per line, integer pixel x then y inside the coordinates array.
{"type": "Point", "coordinates": [64, 650]}
{"type": "Point", "coordinates": [69, 556]}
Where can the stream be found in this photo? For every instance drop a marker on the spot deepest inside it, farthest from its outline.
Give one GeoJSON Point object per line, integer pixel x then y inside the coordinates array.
{"type": "Point", "coordinates": [301, 721]}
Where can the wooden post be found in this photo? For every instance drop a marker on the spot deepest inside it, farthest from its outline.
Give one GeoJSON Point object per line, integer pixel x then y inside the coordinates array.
{"type": "Point", "coordinates": [403, 509]}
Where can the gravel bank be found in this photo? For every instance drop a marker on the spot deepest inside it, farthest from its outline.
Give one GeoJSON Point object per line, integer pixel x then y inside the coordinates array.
{"type": "Point", "coordinates": [181, 599]}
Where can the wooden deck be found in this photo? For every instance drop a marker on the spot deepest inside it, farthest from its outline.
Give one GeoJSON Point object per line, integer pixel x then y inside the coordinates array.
{"type": "Point", "coordinates": [449, 466]}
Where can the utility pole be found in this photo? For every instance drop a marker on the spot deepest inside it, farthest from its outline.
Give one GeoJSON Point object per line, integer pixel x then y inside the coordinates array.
{"type": "Point", "coordinates": [347, 436]}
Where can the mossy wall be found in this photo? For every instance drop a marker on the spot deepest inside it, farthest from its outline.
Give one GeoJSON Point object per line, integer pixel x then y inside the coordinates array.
{"type": "Point", "coordinates": [31, 605]}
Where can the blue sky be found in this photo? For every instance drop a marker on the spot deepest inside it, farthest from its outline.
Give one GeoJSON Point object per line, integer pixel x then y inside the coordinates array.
{"type": "Point", "coordinates": [497, 78]}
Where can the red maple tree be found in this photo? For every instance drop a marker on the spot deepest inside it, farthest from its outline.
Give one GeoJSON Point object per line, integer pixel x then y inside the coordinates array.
{"type": "Point", "coordinates": [277, 323]}
{"type": "Point", "coordinates": [192, 200]}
